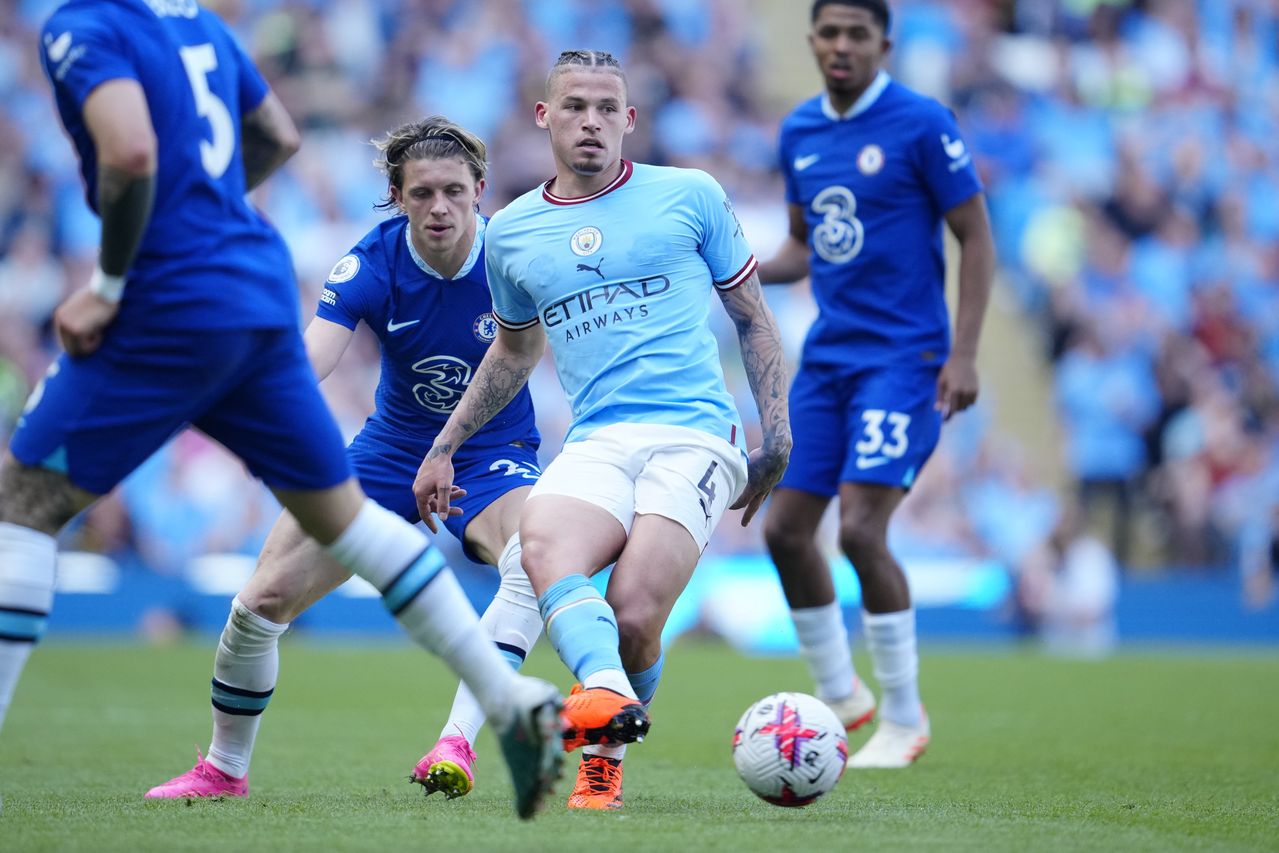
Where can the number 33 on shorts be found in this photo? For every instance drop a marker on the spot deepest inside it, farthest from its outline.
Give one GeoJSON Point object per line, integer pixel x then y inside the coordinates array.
{"type": "Point", "coordinates": [873, 449]}
{"type": "Point", "coordinates": [884, 452]}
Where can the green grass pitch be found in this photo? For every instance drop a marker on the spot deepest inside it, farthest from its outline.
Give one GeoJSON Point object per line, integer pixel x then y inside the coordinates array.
{"type": "Point", "coordinates": [1150, 752]}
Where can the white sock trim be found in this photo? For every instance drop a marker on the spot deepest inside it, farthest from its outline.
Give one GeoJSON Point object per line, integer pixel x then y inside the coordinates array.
{"type": "Point", "coordinates": [378, 544]}
{"type": "Point", "coordinates": [824, 646]}
{"type": "Point", "coordinates": [890, 640]}
{"type": "Point", "coordinates": [261, 626]}
{"type": "Point", "coordinates": [613, 679]}
{"type": "Point", "coordinates": [512, 551]}
{"type": "Point", "coordinates": [28, 569]}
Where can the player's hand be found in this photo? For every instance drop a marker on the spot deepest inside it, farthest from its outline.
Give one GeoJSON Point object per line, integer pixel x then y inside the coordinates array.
{"type": "Point", "coordinates": [765, 467]}
{"type": "Point", "coordinates": [434, 490]}
{"type": "Point", "coordinates": [956, 386]}
{"type": "Point", "coordinates": [82, 320]}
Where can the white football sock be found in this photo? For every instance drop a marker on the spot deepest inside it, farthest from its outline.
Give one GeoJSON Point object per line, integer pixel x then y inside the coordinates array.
{"type": "Point", "coordinates": [644, 684]}
{"type": "Point", "coordinates": [611, 750]}
{"type": "Point", "coordinates": [823, 643]}
{"type": "Point", "coordinates": [245, 669]}
{"type": "Point", "coordinates": [423, 595]}
{"type": "Point", "coordinates": [613, 679]}
{"type": "Point", "coordinates": [890, 639]}
{"type": "Point", "coordinates": [27, 562]}
{"type": "Point", "coordinates": [514, 622]}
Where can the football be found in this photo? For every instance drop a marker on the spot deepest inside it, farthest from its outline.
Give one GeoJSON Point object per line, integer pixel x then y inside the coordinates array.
{"type": "Point", "coordinates": [790, 749]}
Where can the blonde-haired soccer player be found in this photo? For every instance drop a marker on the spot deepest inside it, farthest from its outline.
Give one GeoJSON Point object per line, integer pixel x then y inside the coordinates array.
{"type": "Point", "coordinates": [614, 263]}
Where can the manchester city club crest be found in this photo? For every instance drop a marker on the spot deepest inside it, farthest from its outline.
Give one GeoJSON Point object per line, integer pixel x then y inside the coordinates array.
{"type": "Point", "coordinates": [485, 328]}
{"type": "Point", "coordinates": [586, 241]}
{"type": "Point", "coordinates": [870, 160]}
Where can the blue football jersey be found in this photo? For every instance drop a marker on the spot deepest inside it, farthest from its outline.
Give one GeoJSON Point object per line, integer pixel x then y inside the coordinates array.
{"type": "Point", "coordinates": [874, 186]}
{"type": "Point", "coordinates": [433, 331]}
{"type": "Point", "coordinates": [622, 280]}
{"type": "Point", "coordinates": [207, 258]}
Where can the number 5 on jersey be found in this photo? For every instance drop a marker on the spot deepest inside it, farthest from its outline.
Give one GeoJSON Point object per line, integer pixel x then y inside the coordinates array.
{"type": "Point", "coordinates": [200, 61]}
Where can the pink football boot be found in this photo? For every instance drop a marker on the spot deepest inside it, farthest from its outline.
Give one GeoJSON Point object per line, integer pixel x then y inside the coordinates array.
{"type": "Point", "coordinates": [202, 780]}
{"type": "Point", "coordinates": [447, 768]}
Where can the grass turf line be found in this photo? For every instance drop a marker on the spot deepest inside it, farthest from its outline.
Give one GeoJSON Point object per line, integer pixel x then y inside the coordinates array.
{"type": "Point", "coordinates": [1145, 752]}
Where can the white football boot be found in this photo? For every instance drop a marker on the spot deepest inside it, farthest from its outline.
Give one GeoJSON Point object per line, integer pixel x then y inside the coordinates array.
{"type": "Point", "coordinates": [856, 709]}
{"type": "Point", "coordinates": [892, 746]}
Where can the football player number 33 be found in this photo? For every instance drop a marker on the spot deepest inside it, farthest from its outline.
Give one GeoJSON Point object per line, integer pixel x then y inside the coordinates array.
{"type": "Point", "coordinates": [200, 61]}
{"type": "Point", "coordinates": [875, 442]}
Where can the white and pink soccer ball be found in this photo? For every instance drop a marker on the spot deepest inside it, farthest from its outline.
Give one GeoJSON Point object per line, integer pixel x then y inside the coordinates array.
{"type": "Point", "coordinates": [790, 749]}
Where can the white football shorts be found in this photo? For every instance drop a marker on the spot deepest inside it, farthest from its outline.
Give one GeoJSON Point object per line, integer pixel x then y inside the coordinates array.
{"type": "Point", "coordinates": [680, 473]}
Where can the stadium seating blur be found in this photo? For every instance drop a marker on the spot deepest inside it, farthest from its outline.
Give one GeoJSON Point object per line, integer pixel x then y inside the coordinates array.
{"type": "Point", "coordinates": [1133, 181]}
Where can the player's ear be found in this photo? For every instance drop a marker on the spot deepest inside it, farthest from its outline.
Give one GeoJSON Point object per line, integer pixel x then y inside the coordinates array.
{"type": "Point", "coordinates": [631, 113]}
{"type": "Point", "coordinates": [479, 192]}
{"type": "Point", "coordinates": [397, 196]}
{"type": "Point", "coordinates": [539, 114]}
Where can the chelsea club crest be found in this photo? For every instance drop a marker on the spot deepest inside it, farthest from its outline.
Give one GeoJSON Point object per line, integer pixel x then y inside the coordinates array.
{"type": "Point", "coordinates": [586, 241]}
{"type": "Point", "coordinates": [870, 160]}
{"type": "Point", "coordinates": [485, 328]}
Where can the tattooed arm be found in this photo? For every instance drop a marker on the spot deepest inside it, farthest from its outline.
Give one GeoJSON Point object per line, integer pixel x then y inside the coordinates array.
{"type": "Point", "coordinates": [119, 121]}
{"type": "Point", "coordinates": [503, 372]}
{"type": "Point", "coordinates": [268, 138]}
{"type": "Point", "coordinates": [761, 344]}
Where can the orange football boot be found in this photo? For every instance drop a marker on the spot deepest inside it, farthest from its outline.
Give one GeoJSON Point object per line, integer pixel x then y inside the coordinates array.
{"type": "Point", "coordinates": [598, 715]}
{"type": "Point", "coordinates": [599, 784]}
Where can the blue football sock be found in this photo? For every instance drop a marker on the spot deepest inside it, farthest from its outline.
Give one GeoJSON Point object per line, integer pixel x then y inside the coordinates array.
{"type": "Point", "coordinates": [581, 626]}
{"type": "Point", "coordinates": [644, 683]}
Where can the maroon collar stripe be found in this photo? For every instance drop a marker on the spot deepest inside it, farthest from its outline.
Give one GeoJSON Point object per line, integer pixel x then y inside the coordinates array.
{"type": "Point", "coordinates": [628, 169]}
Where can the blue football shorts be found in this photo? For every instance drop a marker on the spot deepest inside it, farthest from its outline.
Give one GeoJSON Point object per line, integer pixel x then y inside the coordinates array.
{"type": "Point", "coordinates": [386, 461]}
{"type": "Point", "coordinates": [874, 425]}
{"type": "Point", "coordinates": [98, 417]}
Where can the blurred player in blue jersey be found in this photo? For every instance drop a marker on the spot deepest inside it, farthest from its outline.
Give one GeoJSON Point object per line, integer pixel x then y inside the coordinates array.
{"type": "Point", "coordinates": [872, 170]}
{"type": "Point", "coordinates": [417, 280]}
{"type": "Point", "coordinates": [190, 318]}
{"type": "Point", "coordinates": [615, 263]}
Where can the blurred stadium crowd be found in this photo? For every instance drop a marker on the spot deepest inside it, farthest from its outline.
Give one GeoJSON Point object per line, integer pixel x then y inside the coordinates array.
{"type": "Point", "coordinates": [1127, 148]}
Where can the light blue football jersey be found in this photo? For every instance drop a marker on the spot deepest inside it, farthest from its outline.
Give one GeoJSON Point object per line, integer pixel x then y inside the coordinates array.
{"type": "Point", "coordinates": [622, 281]}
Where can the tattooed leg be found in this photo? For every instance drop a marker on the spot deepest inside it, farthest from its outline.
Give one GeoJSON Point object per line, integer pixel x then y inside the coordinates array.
{"type": "Point", "coordinates": [38, 498]}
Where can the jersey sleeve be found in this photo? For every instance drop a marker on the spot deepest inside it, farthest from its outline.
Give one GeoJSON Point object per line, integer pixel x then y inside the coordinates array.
{"type": "Point", "coordinates": [945, 163]}
{"type": "Point", "coordinates": [512, 306]}
{"type": "Point", "coordinates": [80, 52]}
{"type": "Point", "coordinates": [723, 246]}
{"type": "Point", "coordinates": [346, 298]}
{"type": "Point", "coordinates": [253, 88]}
{"type": "Point", "coordinates": [784, 145]}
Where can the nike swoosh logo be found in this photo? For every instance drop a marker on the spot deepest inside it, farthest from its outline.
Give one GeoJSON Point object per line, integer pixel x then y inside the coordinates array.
{"type": "Point", "coordinates": [392, 326]}
{"type": "Point", "coordinates": [955, 148]}
{"type": "Point", "coordinates": [802, 163]}
{"type": "Point", "coordinates": [58, 49]}
{"type": "Point", "coordinates": [865, 462]}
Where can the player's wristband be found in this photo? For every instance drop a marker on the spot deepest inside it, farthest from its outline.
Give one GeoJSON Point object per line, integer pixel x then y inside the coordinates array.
{"type": "Point", "coordinates": [109, 287]}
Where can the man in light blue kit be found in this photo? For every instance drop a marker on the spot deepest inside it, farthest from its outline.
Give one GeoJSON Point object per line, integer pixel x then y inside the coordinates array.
{"type": "Point", "coordinates": [614, 262]}
{"type": "Point", "coordinates": [191, 318]}
{"type": "Point", "coordinates": [872, 170]}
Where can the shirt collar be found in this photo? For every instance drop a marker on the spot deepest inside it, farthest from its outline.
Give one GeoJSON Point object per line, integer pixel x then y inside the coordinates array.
{"type": "Point", "coordinates": [862, 104]}
{"type": "Point", "coordinates": [481, 225]}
